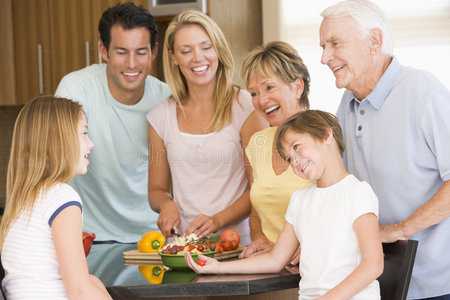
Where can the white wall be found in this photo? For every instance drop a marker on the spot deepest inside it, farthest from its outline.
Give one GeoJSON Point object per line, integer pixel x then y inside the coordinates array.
{"type": "Point", "coordinates": [421, 32]}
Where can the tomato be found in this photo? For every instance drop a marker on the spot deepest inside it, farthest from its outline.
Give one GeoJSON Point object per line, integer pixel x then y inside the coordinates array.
{"type": "Point", "coordinates": [87, 238]}
{"type": "Point", "coordinates": [219, 248]}
{"type": "Point", "coordinates": [230, 235]}
{"type": "Point", "coordinates": [234, 245]}
{"type": "Point", "coordinates": [227, 245]}
{"type": "Point", "coordinates": [201, 262]}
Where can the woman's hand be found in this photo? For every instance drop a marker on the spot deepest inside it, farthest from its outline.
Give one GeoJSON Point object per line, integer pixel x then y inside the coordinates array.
{"type": "Point", "coordinates": [169, 217]}
{"type": "Point", "coordinates": [257, 247]}
{"type": "Point", "coordinates": [203, 225]}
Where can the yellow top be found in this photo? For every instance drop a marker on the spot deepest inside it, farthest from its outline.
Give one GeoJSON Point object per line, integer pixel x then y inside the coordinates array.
{"type": "Point", "coordinates": [270, 193]}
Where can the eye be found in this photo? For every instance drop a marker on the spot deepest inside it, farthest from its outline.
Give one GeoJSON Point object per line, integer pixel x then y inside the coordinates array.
{"type": "Point", "coordinates": [142, 52]}
{"type": "Point", "coordinates": [270, 87]}
{"type": "Point", "coordinates": [253, 94]}
{"type": "Point", "coordinates": [207, 47]}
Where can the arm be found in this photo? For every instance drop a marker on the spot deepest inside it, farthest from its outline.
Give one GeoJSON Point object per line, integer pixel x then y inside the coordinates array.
{"type": "Point", "coordinates": [66, 232]}
{"type": "Point", "coordinates": [371, 266]}
{"type": "Point", "coordinates": [270, 262]}
{"type": "Point", "coordinates": [205, 225]}
{"type": "Point", "coordinates": [159, 183]}
{"type": "Point", "coordinates": [434, 211]}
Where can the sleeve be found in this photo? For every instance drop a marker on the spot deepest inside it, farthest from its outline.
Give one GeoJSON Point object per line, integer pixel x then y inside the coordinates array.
{"type": "Point", "coordinates": [57, 199]}
{"type": "Point", "coordinates": [292, 209]}
{"type": "Point", "coordinates": [158, 117]}
{"type": "Point", "coordinates": [435, 124]}
{"type": "Point", "coordinates": [69, 87]}
{"type": "Point", "coordinates": [362, 201]}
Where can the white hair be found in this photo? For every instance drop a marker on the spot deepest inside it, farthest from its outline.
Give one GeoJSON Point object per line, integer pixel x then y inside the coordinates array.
{"type": "Point", "coordinates": [367, 16]}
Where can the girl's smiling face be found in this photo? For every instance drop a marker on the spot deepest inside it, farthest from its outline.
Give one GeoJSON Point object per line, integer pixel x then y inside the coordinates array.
{"type": "Point", "coordinates": [304, 154]}
{"type": "Point", "coordinates": [85, 146]}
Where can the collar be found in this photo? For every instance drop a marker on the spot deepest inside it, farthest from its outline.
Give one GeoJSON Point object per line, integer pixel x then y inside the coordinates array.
{"type": "Point", "coordinates": [383, 87]}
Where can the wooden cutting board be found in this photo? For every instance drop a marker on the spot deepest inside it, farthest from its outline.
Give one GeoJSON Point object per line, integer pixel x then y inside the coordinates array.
{"type": "Point", "coordinates": [131, 256]}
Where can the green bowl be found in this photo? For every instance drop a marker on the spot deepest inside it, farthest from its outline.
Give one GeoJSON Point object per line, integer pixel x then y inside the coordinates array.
{"type": "Point", "coordinates": [177, 262]}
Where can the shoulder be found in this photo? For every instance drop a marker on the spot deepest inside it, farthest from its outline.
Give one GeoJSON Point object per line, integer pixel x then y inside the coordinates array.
{"type": "Point", "coordinates": [161, 108]}
{"type": "Point", "coordinates": [263, 137]}
{"type": "Point", "coordinates": [156, 86]}
{"type": "Point", "coordinates": [63, 190]}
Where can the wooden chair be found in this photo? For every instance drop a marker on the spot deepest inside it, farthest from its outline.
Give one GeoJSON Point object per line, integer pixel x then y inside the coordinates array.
{"type": "Point", "coordinates": [398, 265]}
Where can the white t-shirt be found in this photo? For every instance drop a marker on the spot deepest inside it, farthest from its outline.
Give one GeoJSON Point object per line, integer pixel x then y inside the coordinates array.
{"type": "Point", "coordinates": [114, 190]}
{"type": "Point", "coordinates": [28, 254]}
{"type": "Point", "coordinates": [323, 222]}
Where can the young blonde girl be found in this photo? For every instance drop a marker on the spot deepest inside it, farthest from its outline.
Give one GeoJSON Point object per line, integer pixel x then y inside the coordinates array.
{"type": "Point", "coordinates": [334, 219]}
{"type": "Point", "coordinates": [40, 236]}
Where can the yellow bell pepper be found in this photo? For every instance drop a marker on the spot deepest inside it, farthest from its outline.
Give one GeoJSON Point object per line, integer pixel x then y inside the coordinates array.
{"type": "Point", "coordinates": [151, 241]}
{"type": "Point", "coordinates": [153, 274]}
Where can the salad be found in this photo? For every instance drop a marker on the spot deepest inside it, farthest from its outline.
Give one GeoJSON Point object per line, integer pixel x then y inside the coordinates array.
{"type": "Point", "coordinates": [188, 243]}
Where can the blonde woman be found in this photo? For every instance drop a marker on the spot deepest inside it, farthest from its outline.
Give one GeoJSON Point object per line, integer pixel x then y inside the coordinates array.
{"type": "Point", "coordinates": [43, 213]}
{"type": "Point", "coordinates": [278, 82]}
{"type": "Point", "coordinates": [197, 172]}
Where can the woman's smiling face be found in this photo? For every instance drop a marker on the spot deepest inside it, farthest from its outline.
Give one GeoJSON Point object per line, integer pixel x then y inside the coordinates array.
{"type": "Point", "coordinates": [195, 55]}
{"type": "Point", "coordinates": [275, 99]}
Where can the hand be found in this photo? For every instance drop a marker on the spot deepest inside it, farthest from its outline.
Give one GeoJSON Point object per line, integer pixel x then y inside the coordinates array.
{"type": "Point", "coordinates": [257, 247]}
{"type": "Point", "coordinates": [392, 233]}
{"type": "Point", "coordinates": [296, 257]}
{"type": "Point", "coordinates": [169, 217]}
{"type": "Point", "coordinates": [209, 267]}
{"type": "Point", "coordinates": [202, 225]}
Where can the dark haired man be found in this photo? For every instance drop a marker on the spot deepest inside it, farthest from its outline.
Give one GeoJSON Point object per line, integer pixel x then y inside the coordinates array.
{"type": "Point", "coordinates": [115, 97]}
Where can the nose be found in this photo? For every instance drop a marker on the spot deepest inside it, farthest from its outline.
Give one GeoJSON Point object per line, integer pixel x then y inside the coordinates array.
{"type": "Point", "coordinates": [90, 143]}
{"type": "Point", "coordinates": [198, 55]}
{"type": "Point", "coordinates": [326, 55]}
{"type": "Point", "coordinates": [131, 60]}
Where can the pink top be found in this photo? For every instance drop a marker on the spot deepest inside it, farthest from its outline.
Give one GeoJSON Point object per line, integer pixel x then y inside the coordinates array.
{"type": "Point", "coordinates": [207, 177]}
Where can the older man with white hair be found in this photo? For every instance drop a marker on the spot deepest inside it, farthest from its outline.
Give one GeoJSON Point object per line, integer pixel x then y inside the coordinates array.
{"type": "Point", "coordinates": [396, 128]}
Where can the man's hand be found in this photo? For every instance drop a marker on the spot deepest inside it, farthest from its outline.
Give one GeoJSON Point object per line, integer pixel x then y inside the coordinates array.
{"type": "Point", "coordinates": [392, 233]}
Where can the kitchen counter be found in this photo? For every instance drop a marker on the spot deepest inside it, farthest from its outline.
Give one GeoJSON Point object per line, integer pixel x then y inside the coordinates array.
{"type": "Point", "coordinates": [126, 282]}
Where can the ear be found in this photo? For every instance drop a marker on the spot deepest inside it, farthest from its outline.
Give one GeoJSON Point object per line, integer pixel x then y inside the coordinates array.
{"type": "Point", "coordinates": [376, 40]}
{"type": "Point", "coordinates": [330, 136]}
{"type": "Point", "coordinates": [299, 86]}
{"type": "Point", "coordinates": [155, 51]}
{"type": "Point", "coordinates": [103, 52]}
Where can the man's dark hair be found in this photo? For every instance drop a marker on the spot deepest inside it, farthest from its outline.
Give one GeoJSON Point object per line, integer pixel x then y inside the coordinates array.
{"type": "Point", "coordinates": [129, 16]}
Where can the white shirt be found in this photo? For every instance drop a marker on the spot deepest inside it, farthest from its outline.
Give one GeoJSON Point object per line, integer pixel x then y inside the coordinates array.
{"type": "Point", "coordinates": [323, 223]}
{"type": "Point", "coordinates": [28, 254]}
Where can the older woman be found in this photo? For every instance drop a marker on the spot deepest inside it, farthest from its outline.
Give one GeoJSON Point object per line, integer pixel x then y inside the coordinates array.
{"type": "Point", "coordinates": [278, 82]}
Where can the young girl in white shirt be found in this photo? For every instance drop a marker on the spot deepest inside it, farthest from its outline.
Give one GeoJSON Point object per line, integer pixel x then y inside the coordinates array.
{"type": "Point", "coordinates": [334, 220]}
{"type": "Point", "coordinates": [40, 234]}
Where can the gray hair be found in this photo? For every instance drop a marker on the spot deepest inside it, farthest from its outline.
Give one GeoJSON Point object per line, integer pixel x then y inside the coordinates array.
{"type": "Point", "coordinates": [368, 16]}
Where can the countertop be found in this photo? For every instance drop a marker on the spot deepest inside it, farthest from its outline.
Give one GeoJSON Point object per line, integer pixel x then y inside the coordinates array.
{"type": "Point", "coordinates": [126, 282]}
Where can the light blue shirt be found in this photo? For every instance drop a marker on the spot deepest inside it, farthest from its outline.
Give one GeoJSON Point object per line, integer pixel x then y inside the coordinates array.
{"type": "Point", "coordinates": [114, 190]}
{"type": "Point", "coordinates": [398, 140]}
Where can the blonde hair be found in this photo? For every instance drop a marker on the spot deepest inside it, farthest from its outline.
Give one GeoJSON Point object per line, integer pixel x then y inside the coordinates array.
{"type": "Point", "coordinates": [314, 123]}
{"type": "Point", "coordinates": [44, 151]}
{"type": "Point", "coordinates": [224, 92]}
{"type": "Point", "coordinates": [280, 59]}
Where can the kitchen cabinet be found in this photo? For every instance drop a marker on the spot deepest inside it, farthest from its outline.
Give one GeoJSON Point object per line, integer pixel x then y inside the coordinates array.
{"type": "Point", "coordinates": [46, 39]}
{"type": "Point", "coordinates": [53, 38]}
